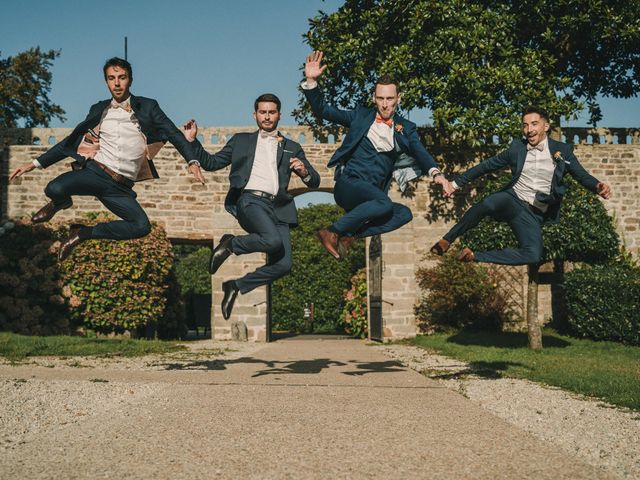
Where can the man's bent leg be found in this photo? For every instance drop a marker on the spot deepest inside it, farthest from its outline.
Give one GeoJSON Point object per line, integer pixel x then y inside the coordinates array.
{"type": "Point", "coordinates": [401, 215]}
{"type": "Point", "coordinates": [364, 204]}
{"type": "Point", "coordinates": [257, 217]}
{"type": "Point", "coordinates": [278, 265]}
{"type": "Point", "coordinates": [122, 202]}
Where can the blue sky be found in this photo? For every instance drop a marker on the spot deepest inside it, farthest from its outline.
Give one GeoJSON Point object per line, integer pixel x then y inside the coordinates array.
{"type": "Point", "coordinates": [201, 59]}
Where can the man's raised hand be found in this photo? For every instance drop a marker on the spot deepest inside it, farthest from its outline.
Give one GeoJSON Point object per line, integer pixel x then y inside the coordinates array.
{"type": "Point", "coordinates": [312, 68]}
{"type": "Point", "coordinates": [27, 167]}
{"type": "Point", "coordinates": [190, 130]}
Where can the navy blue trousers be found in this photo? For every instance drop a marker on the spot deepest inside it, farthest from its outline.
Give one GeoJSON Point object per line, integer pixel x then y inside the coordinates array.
{"type": "Point", "coordinates": [120, 200]}
{"type": "Point", "coordinates": [265, 233]}
{"type": "Point", "coordinates": [369, 209]}
{"type": "Point", "coordinates": [505, 207]}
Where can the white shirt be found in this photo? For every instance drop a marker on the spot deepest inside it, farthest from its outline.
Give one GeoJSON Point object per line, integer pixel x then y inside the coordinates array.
{"type": "Point", "coordinates": [264, 172]}
{"type": "Point", "coordinates": [536, 175]}
{"type": "Point", "coordinates": [122, 145]}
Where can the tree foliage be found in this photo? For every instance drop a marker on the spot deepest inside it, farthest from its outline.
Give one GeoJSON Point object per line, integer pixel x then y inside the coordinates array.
{"type": "Point", "coordinates": [316, 276]}
{"type": "Point", "coordinates": [25, 83]}
{"type": "Point", "coordinates": [476, 64]}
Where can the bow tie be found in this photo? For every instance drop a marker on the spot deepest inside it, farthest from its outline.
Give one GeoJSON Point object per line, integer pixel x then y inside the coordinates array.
{"type": "Point", "coordinates": [388, 121]}
{"type": "Point", "coordinates": [539, 147]}
{"type": "Point", "coordinates": [125, 106]}
{"type": "Point", "coordinates": [272, 134]}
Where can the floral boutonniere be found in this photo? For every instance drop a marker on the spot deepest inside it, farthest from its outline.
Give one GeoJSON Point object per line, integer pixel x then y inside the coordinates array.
{"type": "Point", "coordinates": [280, 139]}
{"type": "Point", "coordinates": [399, 128]}
{"type": "Point", "coordinates": [559, 158]}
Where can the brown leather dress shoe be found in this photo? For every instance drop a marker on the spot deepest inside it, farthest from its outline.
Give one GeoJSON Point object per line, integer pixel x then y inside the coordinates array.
{"type": "Point", "coordinates": [343, 246]}
{"type": "Point", "coordinates": [72, 241]}
{"type": "Point", "coordinates": [47, 212]}
{"type": "Point", "coordinates": [329, 241]}
{"type": "Point", "coordinates": [440, 248]}
{"type": "Point", "coordinates": [466, 255]}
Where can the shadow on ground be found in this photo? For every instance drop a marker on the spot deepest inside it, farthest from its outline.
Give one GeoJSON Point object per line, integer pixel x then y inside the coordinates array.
{"type": "Point", "coordinates": [503, 339]}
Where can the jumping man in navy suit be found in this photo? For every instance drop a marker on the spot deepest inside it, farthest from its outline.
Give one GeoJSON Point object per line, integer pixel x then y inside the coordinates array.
{"type": "Point", "coordinates": [113, 148]}
{"type": "Point", "coordinates": [533, 196]}
{"type": "Point", "coordinates": [261, 165]}
{"type": "Point", "coordinates": [377, 138]}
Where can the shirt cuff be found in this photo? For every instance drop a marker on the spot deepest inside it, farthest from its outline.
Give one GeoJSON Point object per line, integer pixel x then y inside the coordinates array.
{"type": "Point", "coordinates": [193, 162]}
{"type": "Point", "coordinates": [307, 178]}
{"type": "Point", "coordinates": [433, 171]}
{"type": "Point", "coordinates": [306, 85]}
{"type": "Point", "coordinates": [37, 164]}
{"type": "Point", "coordinates": [455, 185]}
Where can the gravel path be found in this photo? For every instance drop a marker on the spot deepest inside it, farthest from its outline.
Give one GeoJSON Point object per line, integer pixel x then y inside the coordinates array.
{"type": "Point", "coordinates": [601, 434]}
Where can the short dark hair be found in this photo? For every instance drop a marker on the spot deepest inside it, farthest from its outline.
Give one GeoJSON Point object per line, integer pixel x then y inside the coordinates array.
{"type": "Point", "coordinates": [266, 97]}
{"type": "Point", "coordinates": [117, 62]}
{"type": "Point", "coordinates": [387, 80]}
{"type": "Point", "coordinates": [533, 109]}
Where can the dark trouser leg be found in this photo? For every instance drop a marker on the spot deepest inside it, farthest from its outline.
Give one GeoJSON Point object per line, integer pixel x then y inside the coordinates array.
{"type": "Point", "coordinates": [265, 234]}
{"type": "Point", "coordinates": [369, 210]}
{"type": "Point", "coordinates": [117, 198]}
{"type": "Point", "coordinates": [528, 230]}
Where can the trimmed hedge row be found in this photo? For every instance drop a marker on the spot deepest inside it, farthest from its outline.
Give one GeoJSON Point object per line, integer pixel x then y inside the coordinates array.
{"type": "Point", "coordinates": [603, 302]}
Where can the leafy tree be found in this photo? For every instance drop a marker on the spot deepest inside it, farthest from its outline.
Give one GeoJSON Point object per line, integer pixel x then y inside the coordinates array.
{"type": "Point", "coordinates": [316, 276]}
{"type": "Point", "coordinates": [476, 64]}
{"type": "Point", "coordinates": [25, 83]}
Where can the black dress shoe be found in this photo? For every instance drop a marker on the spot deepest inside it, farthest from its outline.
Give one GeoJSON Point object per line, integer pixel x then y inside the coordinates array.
{"type": "Point", "coordinates": [230, 290]}
{"type": "Point", "coordinates": [47, 212]}
{"type": "Point", "coordinates": [220, 253]}
{"type": "Point", "coordinates": [72, 241]}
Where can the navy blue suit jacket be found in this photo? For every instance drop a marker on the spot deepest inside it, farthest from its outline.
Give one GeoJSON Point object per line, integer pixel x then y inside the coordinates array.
{"type": "Point", "coordinates": [239, 152]}
{"type": "Point", "coordinates": [155, 125]}
{"type": "Point", "coordinates": [514, 157]}
{"type": "Point", "coordinates": [359, 121]}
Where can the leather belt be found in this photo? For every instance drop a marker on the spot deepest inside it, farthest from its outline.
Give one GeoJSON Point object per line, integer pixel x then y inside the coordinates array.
{"type": "Point", "coordinates": [121, 179]}
{"type": "Point", "coordinates": [259, 193]}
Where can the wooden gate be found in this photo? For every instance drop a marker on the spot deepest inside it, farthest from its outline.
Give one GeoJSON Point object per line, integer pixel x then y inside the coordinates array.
{"type": "Point", "coordinates": [374, 291]}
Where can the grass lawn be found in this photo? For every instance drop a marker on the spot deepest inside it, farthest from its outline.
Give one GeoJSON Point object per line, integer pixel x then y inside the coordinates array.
{"type": "Point", "coordinates": [18, 347]}
{"type": "Point", "coordinates": [605, 370]}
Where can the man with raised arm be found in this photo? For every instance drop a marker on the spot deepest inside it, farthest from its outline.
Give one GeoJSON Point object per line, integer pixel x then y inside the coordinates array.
{"type": "Point", "coordinates": [113, 148]}
{"type": "Point", "coordinates": [261, 165]}
{"type": "Point", "coordinates": [532, 197]}
{"type": "Point", "coordinates": [378, 137]}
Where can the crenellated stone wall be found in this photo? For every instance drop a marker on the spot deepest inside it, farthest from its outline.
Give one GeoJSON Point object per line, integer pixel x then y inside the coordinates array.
{"type": "Point", "coordinates": [190, 211]}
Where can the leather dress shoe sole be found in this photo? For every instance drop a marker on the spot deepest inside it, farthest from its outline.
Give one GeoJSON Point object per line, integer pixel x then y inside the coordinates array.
{"type": "Point", "coordinates": [440, 248]}
{"type": "Point", "coordinates": [230, 294]}
{"type": "Point", "coordinates": [72, 241]}
{"type": "Point", "coordinates": [220, 253]}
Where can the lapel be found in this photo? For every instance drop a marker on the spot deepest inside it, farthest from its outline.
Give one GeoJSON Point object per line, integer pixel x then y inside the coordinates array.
{"type": "Point", "coordinates": [364, 125]}
{"type": "Point", "coordinates": [520, 158]}
{"type": "Point", "coordinates": [399, 136]}
{"type": "Point", "coordinates": [280, 151]}
{"type": "Point", "coordinates": [252, 142]}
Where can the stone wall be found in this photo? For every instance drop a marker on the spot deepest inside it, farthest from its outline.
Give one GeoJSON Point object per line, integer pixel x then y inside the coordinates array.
{"type": "Point", "coordinates": [194, 212]}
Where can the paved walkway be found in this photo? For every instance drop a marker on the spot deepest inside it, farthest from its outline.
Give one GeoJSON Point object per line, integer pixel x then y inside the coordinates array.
{"type": "Point", "coordinates": [295, 408]}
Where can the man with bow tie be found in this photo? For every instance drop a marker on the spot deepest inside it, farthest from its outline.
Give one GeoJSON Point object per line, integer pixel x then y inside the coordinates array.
{"type": "Point", "coordinates": [533, 196]}
{"type": "Point", "coordinates": [261, 165]}
{"type": "Point", "coordinates": [376, 140]}
{"type": "Point", "coordinates": [113, 148]}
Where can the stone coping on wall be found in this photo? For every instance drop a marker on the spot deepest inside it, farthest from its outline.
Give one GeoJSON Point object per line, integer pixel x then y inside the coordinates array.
{"type": "Point", "coordinates": [305, 135]}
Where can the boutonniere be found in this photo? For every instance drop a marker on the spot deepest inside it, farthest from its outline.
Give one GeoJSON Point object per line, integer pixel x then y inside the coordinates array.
{"type": "Point", "coordinates": [399, 128]}
{"type": "Point", "coordinates": [559, 158]}
{"type": "Point", "coordinates": [280, 139]}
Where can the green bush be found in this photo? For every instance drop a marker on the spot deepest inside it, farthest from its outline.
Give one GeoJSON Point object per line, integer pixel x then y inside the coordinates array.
{"type": "Point", "coordinates": [115, 286]}
{"type": "Point", "coordinates": [585, 232]}
{"type": "Point", "coordinates": [355, 305]}
{"type": "Point", "coordinates": [316, 276]}
{"type": "Point", "coordinates": [603, 302]}
{"type": "Point", "coordinates": [192, 272]}
{"type": "Point", "coordinates": [459, 295]}
{"type": "Point", "coordinates": [30, 281]}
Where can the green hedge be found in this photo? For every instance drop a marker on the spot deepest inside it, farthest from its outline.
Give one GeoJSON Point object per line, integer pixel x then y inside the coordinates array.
{"type": "Point", "coordinates": [192, 272]}
{"type": "Point", "coordinates": [603, 302]}
{"type": "Point", "coordinates": [316, 276]}
{"type": "Point", "coordinates": [459, 295]}
{"type": "Point", "coordinates": [31, 302]}
{"type": "Point", "coordinates": [585, 232]}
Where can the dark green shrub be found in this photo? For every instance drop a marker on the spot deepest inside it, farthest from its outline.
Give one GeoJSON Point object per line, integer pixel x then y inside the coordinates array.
{"type": "Point", "coordinates": [355, 305]}
{"type": "Point", "coordinates": [192, 272]}
{"type": "Point", "coordinates": [115, 286]}
{"type": "Point", "coordinates": [603, 302]}
{"type": "Point", "coordinates": [316, 276]}
{"type": "Point", "coordinates": [30, 282]}
{"type": "Point", "coordinates": [459, 295]}
{"type": "Point", "coordinates": [585, 232]}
